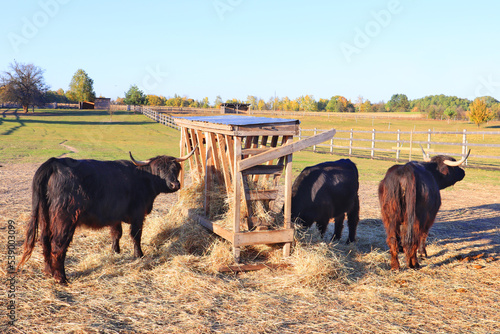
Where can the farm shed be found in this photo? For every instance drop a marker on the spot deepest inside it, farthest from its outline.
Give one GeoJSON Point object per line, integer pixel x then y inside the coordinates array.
{"type": "Point", "coordinates": [233, 108]}
{"type": "Point", "coordinates": [245, 156]}
{"type": "Point", "coordinates": [102, 103]}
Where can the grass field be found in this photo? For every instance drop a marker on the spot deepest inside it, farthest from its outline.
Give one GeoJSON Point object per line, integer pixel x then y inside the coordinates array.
{"type": "Point", "coordinates": [175, 288]}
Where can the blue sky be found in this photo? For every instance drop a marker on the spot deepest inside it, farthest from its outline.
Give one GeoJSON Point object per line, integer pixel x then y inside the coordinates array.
{"type": "Point", "coordinates": [236, 48]}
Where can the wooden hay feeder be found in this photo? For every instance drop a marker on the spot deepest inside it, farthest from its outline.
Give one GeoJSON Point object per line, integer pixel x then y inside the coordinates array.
{"type": "Point", "coordinates": [235, 151]}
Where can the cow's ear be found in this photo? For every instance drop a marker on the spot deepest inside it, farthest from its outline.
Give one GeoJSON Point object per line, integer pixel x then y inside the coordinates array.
{"type": "Point", "coordinates": [443, 169]}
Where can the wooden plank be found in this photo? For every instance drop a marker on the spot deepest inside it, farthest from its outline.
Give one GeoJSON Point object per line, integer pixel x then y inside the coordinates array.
{"type": "Point", "coordinates": [230, 153]}
{"type": "Point", "coordinates": [193, 141]}
{"type": "Point", "coordinates": [238, 268]}
{"type": "Point", "coordinates": [237, 194]}
{"type": "Point", "coordinates": [216, 162]}
{"type": "Point", "coordinates": [201, 147]}
{"type": "Point", "coordinates": [255, 195]}
{"type": "Point", "coordinates": [288, 198]}
{"type": "Point", "coordinates": [182, 153]}
{"type": "Point", "coordinates": [413, 149]}
{"type": "Point", "coordinates": [263, 237]}
{"type": "Point", "coordinates": [263, 169]}
{"type": "Point", "coordinates": [267, 130]}
{"type": "Point", "coordinates": [217, 229]}
{"type": "Point", "coordinates": [285, 150]}
{"type": "Point", "coordinates": [221, 142]}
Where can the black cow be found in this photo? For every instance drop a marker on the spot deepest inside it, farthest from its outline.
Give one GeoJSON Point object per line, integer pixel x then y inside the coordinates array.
{"type": "Point", "coordinates": [324, 191]}
{"type": "Point", "coordinates": [68, 193]}
{"type": "Point", "coordinates": [410, 199]}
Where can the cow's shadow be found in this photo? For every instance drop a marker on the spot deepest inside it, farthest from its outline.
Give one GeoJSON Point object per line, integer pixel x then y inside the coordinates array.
{"type": "Point", "coordinates": [454, 237]}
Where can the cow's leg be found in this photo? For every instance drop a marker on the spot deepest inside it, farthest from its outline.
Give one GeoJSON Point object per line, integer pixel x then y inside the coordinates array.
{"type": "Point", "coordinates": [339, 226]}
{"type": "Point", "coordinates": [391, 229]}
{"type": "Point", "coordinates": [136, 233]}
{"type": "Point", "coordinates": [353, 220]}
{"type": "Point", "coordinates": [116, 234]}
{"type": "Point", "coordinates": [61, 238]}
{"type": "Point", "coordinates": [421, 249]}
{"type": "Point", "coordinates": [411, 248]}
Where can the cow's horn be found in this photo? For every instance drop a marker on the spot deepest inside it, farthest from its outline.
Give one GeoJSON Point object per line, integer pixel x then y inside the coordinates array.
{"type": "Point", "coordinates": [426, 156]}
{"type": "Point", "coordinates": [138, 163]}
{"type": "Point", "coordinates": [181, 159]}
{"type": "Point", "coordinates": [456, 163]}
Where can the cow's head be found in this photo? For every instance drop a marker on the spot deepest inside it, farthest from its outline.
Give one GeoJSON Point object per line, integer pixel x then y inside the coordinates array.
{"type": "Point", "coordinates": [445, 169]}
{"type": "Point", "coordinates": [165, 167]}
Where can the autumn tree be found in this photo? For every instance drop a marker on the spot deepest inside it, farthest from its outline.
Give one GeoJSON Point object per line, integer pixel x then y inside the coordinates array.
{"type": "Point", "coordinates": [23, 84]}
{"type": "Point", "coordinates": [81, 87]}
{"type": "Point", "coordinates": [479, 112]}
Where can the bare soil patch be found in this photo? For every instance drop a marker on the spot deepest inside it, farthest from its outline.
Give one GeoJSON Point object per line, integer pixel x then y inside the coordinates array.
{"type": "Point", "coordinates": [328, 287]}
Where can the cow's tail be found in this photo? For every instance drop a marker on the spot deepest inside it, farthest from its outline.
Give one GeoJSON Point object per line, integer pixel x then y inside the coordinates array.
{"type": "Point", "coordinates": [40, 208]}
{"type": "Point", "coordinates": [409, 188]}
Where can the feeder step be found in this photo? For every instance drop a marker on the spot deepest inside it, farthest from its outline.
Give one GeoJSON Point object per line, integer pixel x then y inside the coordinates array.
{"type": "Point", "coordinates": [256, 195]}
{"type": "Point", "coordinates": [263, 170]}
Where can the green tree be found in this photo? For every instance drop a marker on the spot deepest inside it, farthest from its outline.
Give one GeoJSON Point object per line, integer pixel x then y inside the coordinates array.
{"type": "Point", "coordinates": [479, 112]}
{"type": "Point", "coordinates": [134, 96]}
{"type": "Point", "coordinates": [24, 84]}
{"type": "Point", "coordinates": [398, 102]}
{"type": "Point", "coordinates": [450, 112]}
{"type": "Point", "coordinates": [81, 87]}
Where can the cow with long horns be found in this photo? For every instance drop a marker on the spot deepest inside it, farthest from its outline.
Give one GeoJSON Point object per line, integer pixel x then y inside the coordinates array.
{"type": "Point", "coordinates": [410, 199]}
{"type": "Point", "coordinates": [68, 193]}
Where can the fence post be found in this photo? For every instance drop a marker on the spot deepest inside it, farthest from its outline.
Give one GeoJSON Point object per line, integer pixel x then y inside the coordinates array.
{"type": "Point", "coordinates": [331, 146]}
{"type": "Point", "coordinates": [373, 144]}
{"type": "Point", "coordinates": [315, 132]}
{"type": "Point", "coordinates": [350, 143]}
{"type": "Point", "coordinates": [464, 145]}
{"type": "Point", "coordinates": [429, 140]}
{"type": "Point", "coordinates": [398, 145]}
{"type": "Point", "coordinates": [300, 133]}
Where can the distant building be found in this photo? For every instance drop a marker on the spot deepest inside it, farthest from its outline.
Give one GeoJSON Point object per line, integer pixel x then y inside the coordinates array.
{"type": "Point", "coordinates": [102, 103]}
{"type": "Point", "coordinates": [233, 108]}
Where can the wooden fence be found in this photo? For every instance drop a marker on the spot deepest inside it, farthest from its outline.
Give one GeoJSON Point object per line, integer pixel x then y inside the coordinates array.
{"type": "Point", "coordinates": [160, 117]}
{"type": "Point", "coordinates": [405, 145]}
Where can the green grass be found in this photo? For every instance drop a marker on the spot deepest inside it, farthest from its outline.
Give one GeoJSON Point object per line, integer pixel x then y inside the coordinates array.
{"type": "Point", "coordinates": [34, 138]}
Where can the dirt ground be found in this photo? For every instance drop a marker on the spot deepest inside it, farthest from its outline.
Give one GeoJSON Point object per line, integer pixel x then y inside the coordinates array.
{"type": "Point", "coordinates": [462, 271]}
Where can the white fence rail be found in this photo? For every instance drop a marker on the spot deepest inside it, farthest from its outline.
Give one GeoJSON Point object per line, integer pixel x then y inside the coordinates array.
{"type": "Point", "coordinates": [404, 144]}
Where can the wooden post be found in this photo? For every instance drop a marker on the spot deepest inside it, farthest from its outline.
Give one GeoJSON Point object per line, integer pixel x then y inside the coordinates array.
{"type": "Point", "coordinates": [237, 194]}
{"type": "Point", "coordinates": [398, 145]}
{"type": "Point", "coordinates": [288, 197]}
{"type": "Point", "coordinates": [350, 143]}
{"type": "Point", "coordinates": [429, 139]}
{"type": "Point", "coordinates": [373, 144]}
{"type": "Point", "coordinates": [331, 146]}
{"type": "Point", "coordinates": [464, 145]}
{"type": "Point", "coordinates": [411, 144]}
{"type": "Point", "coordinates": [315, 133]}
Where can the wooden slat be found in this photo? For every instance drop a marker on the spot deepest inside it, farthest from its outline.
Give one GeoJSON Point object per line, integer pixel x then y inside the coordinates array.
{"type": "Point", "coordinates": [216, 162]}
{"type": "Point", "coordinates": [217, 229]}
{"type": "Point", "coordinates": [238, 268]}
{"type": "Point", "coordinates": [230, 153]}
{"type": "Point", "coordinates": [285, 150]}
{"type": "Point", "coordinates": [193, 141]}
{"type": "Point", "coordinates": [255, 195]}
{"type": "Point", "coordinates": [221, 143]}
{"type": "Point", "coordinates": [201, 147]}
{"type": "Point", "coordinates": [253, 151]}
{"type": "Point", "coordinates": [263, 237]}
{"type": "Point", "coordinates": [263, 169]}
{"type": "Point", "coordinates": [288, 197]}
{"type": "Point", "coordinates": [237, 195]}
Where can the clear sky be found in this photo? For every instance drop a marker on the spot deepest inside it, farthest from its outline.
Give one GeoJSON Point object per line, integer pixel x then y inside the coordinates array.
{"type": "Point", "coordinates": [236, 48]}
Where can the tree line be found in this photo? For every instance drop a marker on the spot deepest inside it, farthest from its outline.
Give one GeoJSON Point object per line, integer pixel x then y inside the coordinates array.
{"type": "Point", "coordinates": [24, 84]}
